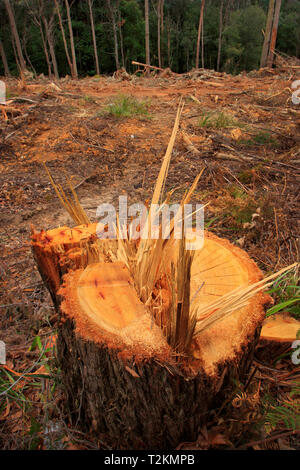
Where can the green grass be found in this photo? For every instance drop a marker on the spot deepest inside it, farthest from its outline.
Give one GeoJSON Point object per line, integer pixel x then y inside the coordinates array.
{"type": "Point", "coordinates": [124, 106]}
{"type": "Point", "coordinates": [286, 293]}
{"type": "Point", "coordinates": [260, 139]}
{"type": "Point", "coordinates": [88, 99]}
{"type": "Point", "coordinates": [245, 176]}
{"type": "Point", "coordinates": [237, 192]}
{"type": "Point", "coordinates": [17, 393]}
{"type": "Point", "coordinates": [218, 120]}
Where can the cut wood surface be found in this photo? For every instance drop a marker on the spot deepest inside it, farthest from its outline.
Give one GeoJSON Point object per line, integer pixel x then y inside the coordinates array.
{"type": "Point", "coordinates": [106, 294]}
{"type": "Point", "coordinates": [280, 327]}
{"type": "Point", "coordinates": [278, 333]}
{"type": "Point", "coordinates": [103, 296]}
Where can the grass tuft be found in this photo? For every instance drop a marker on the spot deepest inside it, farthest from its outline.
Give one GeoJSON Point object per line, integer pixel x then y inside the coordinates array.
{"type": "Point", "coordinates": [218, 120]}
{"type": "Point", "coordinates": [260, 139]}
{"type": "Point", "coordinates": [286, 293]}
{"type": "Point", "coordinates": [127, 106]}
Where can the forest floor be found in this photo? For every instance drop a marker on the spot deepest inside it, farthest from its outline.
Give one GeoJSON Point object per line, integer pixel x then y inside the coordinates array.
{"type": "Point", "coordinates": [244, 129]}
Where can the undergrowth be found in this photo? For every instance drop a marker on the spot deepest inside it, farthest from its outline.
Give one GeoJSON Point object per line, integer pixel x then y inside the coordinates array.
{"type": "Point", "coordinates": [127, 106]}
{"type": "Point", "coordinates": [260, 139]}
{"type": "Point", "coordinates": [284, 412]}
{"type": "Point", "coordinates": [218, 120]}
{"type": "Point", "coordinates": [286, 293]}
{"type": "Point", "coordinates": [32, 396]}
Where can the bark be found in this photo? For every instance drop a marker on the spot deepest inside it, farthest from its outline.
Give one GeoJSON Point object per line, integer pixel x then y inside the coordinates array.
{"type": "Point", "coordinates": [220, 35]}
{"type": "Point", "coordinates": [24, 42]}
{"type": "Point", "coordinates": [120, 24]}
{"type": "Point", "coordinates": [158, 31]}
{"type": "Point", "coordinates": [16, 56]}
{"type": "Point", "coordinates": [45, 50]}
{"type": "Point", "coordinates": [266, 45]}
{"type": "Point", "coordinates": [199, 33]}
{"type": "Point", "coordinates": [4, 60]}
{"type": "Point", "coordinates": [74, 64]}
{"type": "Point", "coordinates": [147, 37]}
{"type": "Point", "coordinates": [15, 34]}
{"type": "Point", "coordinates": [162, 30]}
{"type": "Point", "coordinates": [202, 42]}
{"type": "Point", "coordinates": [156, 409]}
{"type": "Point", "coordinates": [133, 393]}
{"type": "Point", "coordinates": [169, 44]}
{"type": "Point", "coordinates": [64, 39]}
{"type": "Point", "coordinates": [94, 37]}
{"type": "Point", "coordinates": [274, 34]}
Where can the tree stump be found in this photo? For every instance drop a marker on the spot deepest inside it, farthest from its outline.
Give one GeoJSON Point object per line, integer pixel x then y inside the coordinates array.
{"type": "Point", "coordinates": [278, 334]}
{"type": "Point", "coordinates": [121, 378]}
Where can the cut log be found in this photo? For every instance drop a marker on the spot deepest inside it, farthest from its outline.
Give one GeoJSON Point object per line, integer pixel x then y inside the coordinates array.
{"type": "Point", "coordinates": [281, 328]}
{"type": "Point", "coordinates": [278, 333]}
{"type": "Point", "coordinates": [122, 380]}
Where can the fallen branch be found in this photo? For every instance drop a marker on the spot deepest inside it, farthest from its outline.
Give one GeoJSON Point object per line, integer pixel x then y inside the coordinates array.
{"type": "Point", "coordinates": [10, 110]}
{"type": "Point", "coordinates": [188, 144]}
{"type": "Point", "coordinates": [21, 99]}
{"type": "Point", "coordinates": [147, 66]}
{"type": "Point", "coordinates": [226, 156]}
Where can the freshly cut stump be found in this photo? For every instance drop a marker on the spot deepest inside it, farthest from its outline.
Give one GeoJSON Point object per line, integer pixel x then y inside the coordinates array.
{"type": "Point", "coordinates": [121, 378]}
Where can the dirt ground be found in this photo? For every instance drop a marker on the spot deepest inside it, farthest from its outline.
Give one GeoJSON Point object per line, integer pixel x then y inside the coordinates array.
{"type": "Point", "coordinates": [251, 180]}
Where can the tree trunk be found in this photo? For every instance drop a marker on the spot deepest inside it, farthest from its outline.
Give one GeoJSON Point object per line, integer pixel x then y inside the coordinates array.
{"type": "Point", "coordinates": [274, 34]}
{"type": "Point", "coordinates": [220, 35]}
{"type": "Point", "coordinates": [24, 41]}
{"type": "Point", "coordinates": [169, 43]}
{"type": "Point", "coordinates": [15, 35]}
{"type": "Point", "coordinates": [121, 378]}
{"type": "Point", "coordinates": [202, 42]}
{"type": "Point", "coordinates": [16, 56]}
{"type": "Point", "coordinates": [64, 39]}
{"type": "Point", "coordinates": [147, 38]}
{"type": "Point", "coordinates": [199, 34]}
{"type": "Point", "coordinates": [74, 64]}
{"type": "Point", "coordinates": [45, 50]}
{"type": "Point", "coordinates": [266, 45]}
{"type": "Point", "coordinates": [120, 24]}
{"type": "Point", "coordinates": [162, 30]}
{"type": "Point", "coordinates": [94, 37]}
{"type": "Point", "coordinates": [4, 60]}
{"type": "Point", "coordinates": [114, 26]}
{"type": "Point", "coordinates": [36, 15]}
{"type": "Point", "coordinates": [50, 39]}
{"type": "Point", "coordinates": [158, 31]}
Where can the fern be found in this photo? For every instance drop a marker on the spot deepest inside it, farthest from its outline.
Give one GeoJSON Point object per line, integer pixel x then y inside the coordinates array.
{"type": "Point", "coordinates": [286, 414]}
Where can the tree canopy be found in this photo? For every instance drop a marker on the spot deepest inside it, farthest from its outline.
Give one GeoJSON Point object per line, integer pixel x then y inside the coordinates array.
{"type": "Point", "coordinates": [119, 34]}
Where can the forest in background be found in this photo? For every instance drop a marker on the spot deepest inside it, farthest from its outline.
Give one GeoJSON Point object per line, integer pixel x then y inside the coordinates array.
{"type": "Point", "coordinates": [88, 37]}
